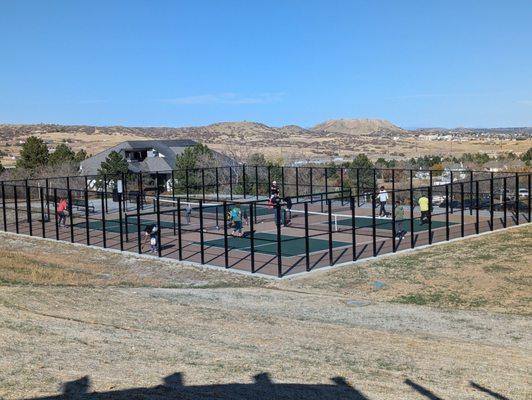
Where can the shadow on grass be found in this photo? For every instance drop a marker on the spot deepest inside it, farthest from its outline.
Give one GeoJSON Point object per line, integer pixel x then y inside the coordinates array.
{"type": "Point", "coordinates": [263, 388]}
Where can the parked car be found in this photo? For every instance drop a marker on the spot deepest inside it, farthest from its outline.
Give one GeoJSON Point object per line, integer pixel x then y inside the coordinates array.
{"type": "Point", "coordinates": [523, 192]}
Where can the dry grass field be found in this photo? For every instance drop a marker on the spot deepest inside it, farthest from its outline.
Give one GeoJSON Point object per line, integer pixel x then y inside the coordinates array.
{"type": "Point", "coordinates": [286, 143]}
{"type": "Point", "coordinates": [450, 322]}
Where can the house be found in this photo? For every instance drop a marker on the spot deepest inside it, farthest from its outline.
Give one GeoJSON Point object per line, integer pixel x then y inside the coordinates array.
{"type": "Point", "coordinates": [146, 156]}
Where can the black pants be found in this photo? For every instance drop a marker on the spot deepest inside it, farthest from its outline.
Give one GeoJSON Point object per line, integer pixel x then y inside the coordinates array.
{"type": "Point", "coordinates": [382, 211]}
{"type": "Point", "coordinates": [425, 217]}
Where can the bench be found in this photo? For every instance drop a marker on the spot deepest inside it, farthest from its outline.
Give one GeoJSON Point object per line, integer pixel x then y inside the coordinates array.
{"type": "Point", "coordinates": [80, 203]}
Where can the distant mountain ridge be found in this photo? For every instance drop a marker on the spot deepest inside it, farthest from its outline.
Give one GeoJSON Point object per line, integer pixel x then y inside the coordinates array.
{"type": "Point", "coordinates": [358, 126]}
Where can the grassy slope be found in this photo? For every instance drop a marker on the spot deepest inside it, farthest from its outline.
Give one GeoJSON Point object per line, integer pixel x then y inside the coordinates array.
{"type": "Point", "coordinates": [489, 272]}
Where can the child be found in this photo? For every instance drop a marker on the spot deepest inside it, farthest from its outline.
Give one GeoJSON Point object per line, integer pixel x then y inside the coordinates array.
{"type": "Point", "coordinates": [236, 217]}
{"type": "Point", "coordinates": [399, 217]}
{"type": "Point", "coordinates": [151, 233]}
{"type": "Point", "coordinates": [62, 212]}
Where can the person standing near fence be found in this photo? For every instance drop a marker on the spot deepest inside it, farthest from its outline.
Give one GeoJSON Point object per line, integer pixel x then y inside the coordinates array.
{"type": "Point", "coordinates": [188, 213]}
{"type": "Point", "coordinates": [274, 189]}
{"type": "Point", "coordinates": [399, 217]}
{"type": "Point", "coordinates": [62, 212]}
{"type": "Point", "coordinates": [287, 220]}
{"type": "Point", "coordinates": [424, 208]}
{"type": "Point", "coordinates": [383, 198]}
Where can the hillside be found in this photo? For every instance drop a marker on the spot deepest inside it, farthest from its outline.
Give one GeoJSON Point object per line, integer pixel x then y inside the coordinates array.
{"type": "Point", "coordinates": [358, 126]}
{"type": "Point", "coordinates": [331, 139]}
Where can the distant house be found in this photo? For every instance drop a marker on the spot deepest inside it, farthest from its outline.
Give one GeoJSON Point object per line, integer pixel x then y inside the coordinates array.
{"type": "Point", "coordinates": [510, 165]}
{"type": "Point", "coordinates": [146, 156]}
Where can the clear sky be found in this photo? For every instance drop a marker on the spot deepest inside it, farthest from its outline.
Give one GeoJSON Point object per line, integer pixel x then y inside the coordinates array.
{"type": "Point", "coordinates": [180, 63]}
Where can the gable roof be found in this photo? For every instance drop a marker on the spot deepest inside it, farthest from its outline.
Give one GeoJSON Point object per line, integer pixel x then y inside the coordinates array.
{"type": "Point", "coordinates": [167, 149]}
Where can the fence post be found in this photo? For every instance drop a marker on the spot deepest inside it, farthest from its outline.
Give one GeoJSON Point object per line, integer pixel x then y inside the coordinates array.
{"type": "Point", "coordinates": [470, 192]}
{"type": "Point", "coordinates": [307, 244]}
{"type": "Point", "coordinates": [504, 208]}
{"type": "Point", "coordinates": [353, 228]}
{"type": "Point", "coordinates": [491, 202]}
{"type": "Point", "coordinates": [462, 211]}
{"type": "Point", "coordinates": [15, 202]}
{"type": "Point", "coordinates": [252, 237]}
{"type": "Point", "coordinates": [412, 233]}
{"type": "Point", "coordinates": [179, 232]}
{"type": "Point", "coordinates": [244, 179]}
{"type": "Point", "coordinates": [28, 208]}
{"type": "Point", "coordinates": [358, 187]}
{"type": "Point", "coordinates": [104, 228]}
{"type": "Point", "coordinates": [394, 230]}
{"type": "Point", "coordinates": [279, 248]}
{"type": "Point", "coordinates": [55, 215]}
{"type": "Point", "coordinates": [139, 234]}
{"type": "Point", "coordinates": [477, 211]}
{"type": "Point", "coordinates": [4, 214]}
{"type": "Point", "coordinates": [159, 228]}
{"type": "Point", "coordinates": [326, 175]}
{"type": "Point", "coordinates": [256, 182]}
{"type": "Point", "coordinates": [517, 198]}
{"type": "Point", "coordinates": [226, 250]}
{"type": "Point", "coordinates": [216, 175]}
{"type": "Point", "coordinates": [70, 216]}
{"type": "Point", "coordinates": [297, 184]}
{"type": "Point", "coordinates": [447, 212]}
{"type": "Point", "coordinates": [311, 182]}
{"type": "Point", "coordinates": [231, 183]}
{"type": "Point", "coordinates": [187, 186]}
{"type": "Point", "coordinates": [529, 184]}
{"type": "Point", "coordinates": [121, 222]}
{"type": "Point", "coordinates": [47, 184]}
{"type": "Point", "coordinates": [43, 222]}
{"type": "Point", "coordinates": [342, 185]}
{"type": "Point", "coordinates": [283, 190]}
{"type": "Point", "coordinates": [87, 231]}
{"type": "Point", "coordinates": [203, 184]}
{"type": "Point", "coordinates": [329, 215]}
{"type": "Point", "coordinates": [451, 193]}
{"type": "Point", "coordinates": [202, 238]}
{"type": "Point", "coordinates": [373, 227]}
{"type": "Point", "coordinates": [430, 207]}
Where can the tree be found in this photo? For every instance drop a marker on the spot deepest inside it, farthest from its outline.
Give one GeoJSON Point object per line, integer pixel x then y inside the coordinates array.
{"type": "Point", "coordinates": [365, 167]}
{"type": "Point", "coordinates": [112, 168]}
{"type": "Point", "coordinates": [62, 154]}
{"type": "Point", "coordinates": [526, 157]}
{"type": "Point", "coordinates": [34, 154]}
{"type": "Point", "coordinates": [80, 156]}
{"type": "Point", "coordinates": [192, 157]}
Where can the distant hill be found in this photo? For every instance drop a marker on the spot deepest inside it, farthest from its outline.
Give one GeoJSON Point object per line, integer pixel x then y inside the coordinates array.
{"type": "Point", "coordinates": [358, 126]}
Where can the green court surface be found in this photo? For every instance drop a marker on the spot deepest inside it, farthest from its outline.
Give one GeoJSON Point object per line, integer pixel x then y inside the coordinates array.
{"type": "Point", "coordinates": [380, 223]}
{"type": "Point", "coordinates": [267, 243]}
{"type": "Point", "coordinates": [113, 225]}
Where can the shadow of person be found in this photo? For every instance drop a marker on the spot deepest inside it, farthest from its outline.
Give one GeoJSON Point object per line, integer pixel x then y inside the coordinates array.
{"type": "Point", "coordinates": [173, 387]}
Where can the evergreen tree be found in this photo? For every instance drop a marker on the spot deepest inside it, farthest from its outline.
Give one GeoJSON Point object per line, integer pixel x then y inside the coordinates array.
{"type": "Point", "coordinates": [112, 168]}
{"type": "Point", "coordinates": [80, 156]}
{"type": "Point", "coordinates": [527, 156]}
{"type": "Point", "coordinates": [34, 154]}
{"type": "Point", "coordinates": [365, 166]}
{"type": "Point", "coordinates": [62, 154]}
{"type": "Point", "coordinates": [192, 157]}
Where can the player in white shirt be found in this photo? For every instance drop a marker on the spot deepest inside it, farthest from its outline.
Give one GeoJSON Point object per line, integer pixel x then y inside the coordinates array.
{"type": "Point", "coordinates": [383, 198]}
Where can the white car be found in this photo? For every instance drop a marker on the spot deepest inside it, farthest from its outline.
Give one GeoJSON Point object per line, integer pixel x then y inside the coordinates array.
{"type": "Point", "coordinates": [523, 192]}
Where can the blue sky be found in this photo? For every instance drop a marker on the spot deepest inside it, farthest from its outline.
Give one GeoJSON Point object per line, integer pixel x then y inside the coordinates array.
{"type": "Point", "coordinates": [181, 63]}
